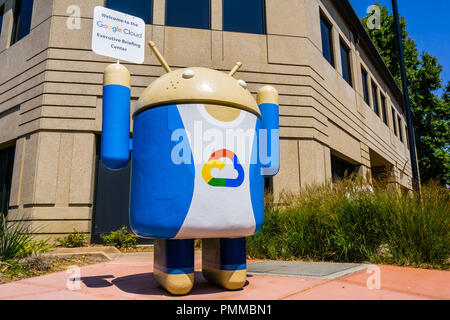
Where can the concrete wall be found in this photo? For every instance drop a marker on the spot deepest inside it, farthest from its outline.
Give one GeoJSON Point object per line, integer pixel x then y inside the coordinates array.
{"type": "Point", "coordinates": [51, 98]}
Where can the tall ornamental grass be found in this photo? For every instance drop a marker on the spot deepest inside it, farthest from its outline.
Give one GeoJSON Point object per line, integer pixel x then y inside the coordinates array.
{"type": "Point", "coordinates": [417, 230]}
{"type": "Point", "coordinates": [349, 221]}
{"type": "Point", "coordinates": [16, 241]}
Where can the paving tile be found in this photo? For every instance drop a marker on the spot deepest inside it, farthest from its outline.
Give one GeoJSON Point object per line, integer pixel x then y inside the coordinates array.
{"type": "Point", "coordinates": [341, 290]}
{"type": "Point", "coordinates": [17, 289]}
{"type": "Point", "coordinates": [302, 269]}
{"type": "Point", "coordinates": [133, 279]}
{"type": "Point", "coordinates": [427, 283]}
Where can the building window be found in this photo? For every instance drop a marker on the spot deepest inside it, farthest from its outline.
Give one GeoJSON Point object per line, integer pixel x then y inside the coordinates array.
{"type": "Point", "coordinates": [6, 170]}
{"type": "Point", "coordinates": [22, 14]}
{"type": "Point", "coordinates": [340, 168]}
{"type": "Point", "coordinates": [2, 12]}
{"type": "Point", "coordinates": [407, 137]}
{"type": "Point", "coordinates": [365, 85]}
{"type": "Point", "coordinates": [376, 107]}
{"type": "Point", "coordinates": [268, 185]}
{"type": "Point", "coordinates": [327, 40]}
{"type": "Point", "coordinates": [137, 8]}
{"type": "Point", "coordinates": [383, 107]}
{"type": "Point", "coordinates": [188, 14]}
{"type": "Point", "coordinates": [346, 63]}
{"type": "Point", "coordinates": [244, 16]}
{"type": "Point", "coordinates": [400, 132]}
{"type": "Point", "coordinates": [394, 123]}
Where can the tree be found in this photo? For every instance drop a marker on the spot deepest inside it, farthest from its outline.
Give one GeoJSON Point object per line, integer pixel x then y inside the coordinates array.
{"type": "Point", "coordinates": [446, 95]}
{"type": "Point", "coordinates": [430, 112]}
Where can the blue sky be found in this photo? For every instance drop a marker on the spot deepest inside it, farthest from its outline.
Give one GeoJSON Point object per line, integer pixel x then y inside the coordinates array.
{"type": "Point", "coordinates": [428, 24]}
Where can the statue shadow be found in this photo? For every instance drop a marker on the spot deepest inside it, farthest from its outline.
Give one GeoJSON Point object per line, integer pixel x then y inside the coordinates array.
{"type": "Point", "coordinates": [145, 284]}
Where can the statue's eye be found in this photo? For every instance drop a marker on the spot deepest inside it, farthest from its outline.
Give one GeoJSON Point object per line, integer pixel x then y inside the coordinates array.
{"type": "Point", "coordinates": [188, 74]}
{"type": "Point", "coordinates": [242, 83]}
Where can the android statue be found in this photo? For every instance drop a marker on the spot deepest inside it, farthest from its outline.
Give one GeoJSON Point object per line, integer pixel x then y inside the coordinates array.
{"type": "Point", "coordinates": [201, 148]}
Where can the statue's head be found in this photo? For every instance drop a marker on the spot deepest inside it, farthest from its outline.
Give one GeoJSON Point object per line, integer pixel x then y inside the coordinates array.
{"type": "Point", "coordinates": [223, 96]}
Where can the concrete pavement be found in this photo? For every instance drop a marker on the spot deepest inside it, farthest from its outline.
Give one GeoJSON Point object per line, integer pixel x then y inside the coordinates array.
{"type": "Point", "coordinates": [129, 276]}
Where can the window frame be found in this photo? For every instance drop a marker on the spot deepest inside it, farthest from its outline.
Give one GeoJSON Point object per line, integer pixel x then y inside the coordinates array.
{"type": "Point", "coordinates": [264, 19]}
{"type": "Point", "coordinates": [325, 21]}
{"type": "Point", "coordinates": [375, 102]}
{"type": "Point", "coordinates": [17, 17]}
{"type": "Point", "coordinates": [407, 137]}
{"type": "Point", "coordinates": [6, 174]}
{"type": "Point", "coordinates": [190, 27]}
{"type": "Point", "coordinates": [338, 163]}
{"type": "Point", "coordinates": [15, 24]}
{"type": "Point", "coordinates": [348, 70]}
{"type": "Point", "coordinates": [394, 121]}
{"type": "Point", "coordinates": [383, 109]}
{"type": "Point", "coordinates": [365, 85]}
{"type": "Point", "coordinates": [2, 13]}
{"type": "Point", "coordinates": [151, 11]}
{"type": "Point", "coordinates": [400, 132]}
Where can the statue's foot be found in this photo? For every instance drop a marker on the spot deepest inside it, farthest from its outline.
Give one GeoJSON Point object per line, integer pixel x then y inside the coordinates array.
{"type": "Point", "coordinates": [228, 279]}
{"type": "Point", "coordinates": [176, 284]}
{"type": "Point", "coordinates": [173, 266]}
{"type": "Point", "coordinates": [224, 262]}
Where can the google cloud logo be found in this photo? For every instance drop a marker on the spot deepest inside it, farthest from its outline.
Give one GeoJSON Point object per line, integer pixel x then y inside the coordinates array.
{"type": "Point", "coordinates": [105, 26]}
{"type": "Point", "coordinates": [215, 162]}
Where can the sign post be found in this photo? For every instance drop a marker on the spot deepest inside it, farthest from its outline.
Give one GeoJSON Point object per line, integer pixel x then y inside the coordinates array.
{"type": "Point", "coordinates": [118, 35]}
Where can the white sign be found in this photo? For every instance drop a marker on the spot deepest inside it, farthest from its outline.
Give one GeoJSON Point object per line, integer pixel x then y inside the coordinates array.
{"type": "Point", "coordinates": [118, 35]}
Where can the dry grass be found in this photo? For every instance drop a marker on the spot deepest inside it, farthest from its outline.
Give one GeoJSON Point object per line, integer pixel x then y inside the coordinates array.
{"type": "Point", "coordinates": [14, 270]}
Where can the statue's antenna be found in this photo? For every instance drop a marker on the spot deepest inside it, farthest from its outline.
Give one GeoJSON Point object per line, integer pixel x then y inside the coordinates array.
{"type": "Point", "coordinates": [158, 55]}
{"type": "Point", "coordinates": [235, 69]}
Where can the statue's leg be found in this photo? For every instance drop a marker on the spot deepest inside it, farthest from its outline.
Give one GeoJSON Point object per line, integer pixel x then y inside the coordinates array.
{"type": "Point", "coordinates": [224, 262]}
{"type": "Point", "coordinates": [173, 265]}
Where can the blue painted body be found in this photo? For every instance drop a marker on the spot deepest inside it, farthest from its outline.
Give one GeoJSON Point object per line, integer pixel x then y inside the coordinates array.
{"type": "Point", "coordinates": [115, 147]}
{"type": "Point", "coordinates": [161, 191]}
{"type": "Point", "coordinates": [270, 122]}
{"type": "Point", "coordinates": [257, 182]}
{"type": "Point", "coordinates": [175, 256]}
{"type": "Point", "coordinates": [233, 254]}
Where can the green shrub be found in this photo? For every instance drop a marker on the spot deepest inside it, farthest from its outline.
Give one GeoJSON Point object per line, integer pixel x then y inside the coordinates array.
{"type": "Point", "coordinates": [16, 241]}
{"type": "Point", "coordinates": [73, 240]}
{"type": "Point", "coordinates": [13, 238]}
{"type": "Point", "coordinates": [348, 222]}
{"type": "Point", "coordinates": [120, 239]}
{"type": "Point", "coordinates": [35, 247]}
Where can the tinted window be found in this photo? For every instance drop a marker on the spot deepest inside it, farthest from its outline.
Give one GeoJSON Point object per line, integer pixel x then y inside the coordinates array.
{"type": "Point", "coordinates": [188, 14]}
{"type": "Point", "coordinates": [407, 136]}
{"type": "Point", "coordinates": [6, 170]}
{"type": "Point", "coordinates": [244, 16]}
{"type": "Point", "coordinates": [400, 132]}
{"type": "Point", "coordinates": [375, 106]}
{"type": "Point", "coordinates": [383, 107]}
{"type": "Point", "coordinates": [346, 66]}
{"type": "Point", "coordinates": [327, 40]}
{"type": "Point", "coordinates": [2, 11]}
{"type": "Point", "coordinates": [364, 85]}
{"type": "Point", "coordinates": [23, 11]}
{"type": "Point", "coordinates": [268, 185]}
{"type": "Point", "coordinates": [138, 8]}
{"type": "Point", "coordinates": [340, 168]}
{"type": "Point", "coordinates": [394, 123]}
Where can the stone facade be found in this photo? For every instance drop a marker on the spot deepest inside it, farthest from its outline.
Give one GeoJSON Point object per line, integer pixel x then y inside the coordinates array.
{"type": "Point", "coordinates": [51, 98]}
